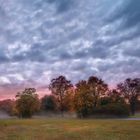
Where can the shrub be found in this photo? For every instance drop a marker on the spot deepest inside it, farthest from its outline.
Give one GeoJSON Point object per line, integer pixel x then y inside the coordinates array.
{"type": "Point", "coordinates": [105, 101]}
{"type": "Point", "coordinates": [48, 103]}
{"type": "Point", "coordinates": [113, 109]}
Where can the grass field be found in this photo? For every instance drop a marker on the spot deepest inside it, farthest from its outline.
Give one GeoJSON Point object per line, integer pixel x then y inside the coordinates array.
{"type": "Point", "coordinates": [69, 129]}
{"type": "Point", "coordinates": [137, 115]}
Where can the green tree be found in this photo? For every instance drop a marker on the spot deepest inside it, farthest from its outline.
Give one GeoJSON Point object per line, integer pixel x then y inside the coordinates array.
{"type": "Point", "coordinates": [27, 103]}
{"type": "Point", "coordinates": [59, 87]}
{"type": "Point", "coordinates": [130, 89]}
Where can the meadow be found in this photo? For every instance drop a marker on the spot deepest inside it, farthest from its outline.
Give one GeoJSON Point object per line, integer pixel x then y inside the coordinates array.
{"type": "Point", "coordinates": [69, 129]}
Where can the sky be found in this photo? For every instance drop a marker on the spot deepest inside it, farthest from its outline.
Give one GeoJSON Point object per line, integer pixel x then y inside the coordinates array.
{"type": "Point", "coordinates": [42, 39]}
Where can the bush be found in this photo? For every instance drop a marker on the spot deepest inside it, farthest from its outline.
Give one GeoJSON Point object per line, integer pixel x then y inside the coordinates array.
{"type": "Point", "coordinates": [48, 103]}
{"type": "Point", "coordinates": [84, 112]}
{"type": "Point", "coordinates": [105, 101]}
{"type": "Point", "coordinates": [114, 109]}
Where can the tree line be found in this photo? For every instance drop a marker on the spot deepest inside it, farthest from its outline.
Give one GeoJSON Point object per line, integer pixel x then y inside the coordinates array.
{"type": "Point", "coordinates": [86, 98]}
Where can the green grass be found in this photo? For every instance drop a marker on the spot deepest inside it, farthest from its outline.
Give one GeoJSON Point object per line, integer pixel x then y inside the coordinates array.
{"type": "Point", "coordinates": [69, 129]}
{"type": "Point", "coordinates": [137, 115]}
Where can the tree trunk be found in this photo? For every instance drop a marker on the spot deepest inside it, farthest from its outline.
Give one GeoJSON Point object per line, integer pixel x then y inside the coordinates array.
{"type": "Point", "coordinates": [95, 104]}
{"type": "Point", "coordinates": [62, 113]}
{"type": "Point", "coordinates": [133, 104]}
{"type": "Point", "coordinates": [61, 105]}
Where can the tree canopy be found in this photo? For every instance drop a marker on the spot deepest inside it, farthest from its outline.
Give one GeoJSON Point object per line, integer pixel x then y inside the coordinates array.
{"type": "Point", "coordinates": [130, 89]}
{"type": "Point", "coordinates": [27, 103]}
{"type": "Point", "coordinates": [59, 87]}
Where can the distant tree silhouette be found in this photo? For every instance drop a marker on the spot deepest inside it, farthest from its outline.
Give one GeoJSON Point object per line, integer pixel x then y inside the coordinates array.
{"type": "Point", "coordinates": [59, 87]}
{"type": "Point", "coordinates": [7, 106]}
{"type": "Point", "coordinates": [130, 89]}
{"type": "Point", "coordinates": [27, 103]}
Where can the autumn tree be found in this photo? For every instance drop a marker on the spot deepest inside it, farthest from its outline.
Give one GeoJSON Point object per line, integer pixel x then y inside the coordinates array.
{"type": "Point", "coordinates": [97, 88]}
{"type": "Point", "coordinates": [27, 103]}
{"type": "Point", "coordinates": [59, 87]}
{"type": "Point", "coordinates": [130, 89]}
{"type": "Point", "coordinates": [83, 100]}
{"type": "Point", "coordinates": [68, 100]}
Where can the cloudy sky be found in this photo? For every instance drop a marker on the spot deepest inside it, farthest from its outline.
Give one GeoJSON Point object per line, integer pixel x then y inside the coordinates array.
{"type": "Point", "coordinates": [41, 39]}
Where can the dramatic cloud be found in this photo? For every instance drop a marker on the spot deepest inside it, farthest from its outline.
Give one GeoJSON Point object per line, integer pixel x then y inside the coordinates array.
{"type": "Point", "coordinates": [41, 39]}
{"type": "Point", "coordinates": [129, 13]}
